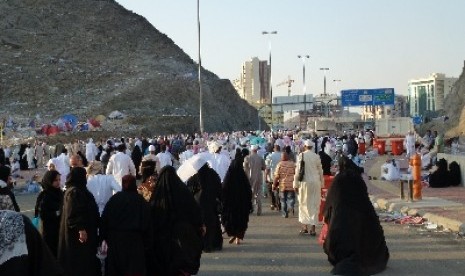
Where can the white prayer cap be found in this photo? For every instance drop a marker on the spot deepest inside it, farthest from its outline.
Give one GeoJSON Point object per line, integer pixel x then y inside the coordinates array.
{"type": "Point", "coordinates": [214, 146]}
{"type": "Point", "coordinates": [151, 148]}
{"type": "Point", "coordinates": [253, 147]}
{"type": "Point", "coordinates": [309, 143]}
{"type": "Point", "coordinates": [190, 167]}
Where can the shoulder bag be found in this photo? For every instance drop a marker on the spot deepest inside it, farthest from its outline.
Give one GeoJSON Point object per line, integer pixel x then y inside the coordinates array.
{"type": "Point", "coordinates": [301, 175]}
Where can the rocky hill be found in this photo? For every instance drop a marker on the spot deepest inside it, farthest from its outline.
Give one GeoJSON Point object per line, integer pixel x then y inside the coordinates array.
{"type": "Point", "coordinates": [89, 57]}
{"type": "Point", "coordinates": [455, 103]}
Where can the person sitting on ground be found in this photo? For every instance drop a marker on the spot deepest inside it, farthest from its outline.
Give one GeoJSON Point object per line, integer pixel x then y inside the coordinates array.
{"type": "Point", "coordinates": [425, 156]}
{"type": "Point", "coordinates": [455, 174]}
{"type": "Point", "coordinates": [7, 198]}
{"type": "Point", "coordinates": [355, 242]}
{"type": "Point", "coordinates": [439, 178]}
{"type": "Point", "coordinates": [390, 170]}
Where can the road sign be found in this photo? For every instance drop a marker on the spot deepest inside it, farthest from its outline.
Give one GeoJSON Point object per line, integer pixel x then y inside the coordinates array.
{"type": "Point", "coordinates": [361, 97]}
{"type": "Point", "coordinates": [417, 120]}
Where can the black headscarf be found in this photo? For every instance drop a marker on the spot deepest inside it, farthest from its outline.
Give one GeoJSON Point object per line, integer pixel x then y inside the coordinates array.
{"type": "Point", "coordinates": [237, 199]}
{"type": "Point", "coordinates": [355, 244]}
{"type": "Point", "coordinates": [176, 223]}
{"type": "Point", "coordinates": [129, 183]}
{"type": "Point", "coordinates": [76, 178]}
{"type": "Point", "coordinates": [171, 200]}
{"type": "Point", "coordinates": [48, 178]}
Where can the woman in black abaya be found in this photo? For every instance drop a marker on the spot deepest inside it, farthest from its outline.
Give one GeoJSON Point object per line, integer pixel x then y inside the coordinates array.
{"type": "Point", "coordinates": [77, 243]}
{"type": "Point", "coordinates": [355, 242]}
{"type": "Point", "coordinates": [207, 187]}
{"type": "Point", "coordinates": [177, 227]}
{"type": "Point", "coordinates": [126, 229]}
{"type": "Point", "coordinates": [237, 200]}
{"type": "Point", "coordinates": [48, 207]}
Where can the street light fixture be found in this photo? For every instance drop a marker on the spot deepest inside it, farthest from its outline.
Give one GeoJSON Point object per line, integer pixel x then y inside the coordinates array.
{"type": "Point", "coordinates": [304, 57]}
{"type": "Point", "coordinates": [200, 71]}
{"type": "Point", "coordinates": [268, 33]}
{"type": "Point", "coordinates": [324, 80]}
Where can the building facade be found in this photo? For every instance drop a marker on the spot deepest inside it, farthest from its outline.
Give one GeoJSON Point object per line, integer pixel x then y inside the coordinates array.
{"type": "Point", "coordinates": [428, 94]}
{"type": "Point", "coordinates": [253, 84]}
{"type": "Point", "coordinates": [399, 109]}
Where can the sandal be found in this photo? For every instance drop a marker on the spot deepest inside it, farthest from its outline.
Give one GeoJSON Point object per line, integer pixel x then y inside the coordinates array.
{"type": "Point", "coordinates": [303, 231]}
{"type": "Point", "coordinates": [231, 240]}
{"type": "Point", "coordinates": [312, 233]}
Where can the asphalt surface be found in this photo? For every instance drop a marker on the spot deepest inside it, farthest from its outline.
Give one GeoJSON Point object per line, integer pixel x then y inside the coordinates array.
{"type": "Point", "coordinates": [273, 246]}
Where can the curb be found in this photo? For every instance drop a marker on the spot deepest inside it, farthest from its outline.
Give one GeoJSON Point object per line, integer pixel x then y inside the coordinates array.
{"type": "Point", "coordinates": [452, 224]}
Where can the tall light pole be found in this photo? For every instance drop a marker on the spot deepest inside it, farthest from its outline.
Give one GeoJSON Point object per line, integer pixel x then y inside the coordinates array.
{"type": "Point", "coordinates": [324, 80]}
{"type": "Point", "coordinates": [304, 88]}
{"type": "Point", "coordinates": [337, 83]}
{"type": "Point", "coordinates": [200, 71]}
{"type": "Point", "coordinates": [268, 33]}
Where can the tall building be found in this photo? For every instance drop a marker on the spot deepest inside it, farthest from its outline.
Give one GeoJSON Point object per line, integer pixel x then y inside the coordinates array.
{"type": "Point", "coordinates": [253, 84]}
{"type": "Point", "coordinates": [428, 94]}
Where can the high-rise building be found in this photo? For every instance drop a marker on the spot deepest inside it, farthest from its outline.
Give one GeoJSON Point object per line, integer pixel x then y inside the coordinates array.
{"type": "Point", "coordinates": [428, 94]}
{"type": "Point", "coordinates": [253, 84]}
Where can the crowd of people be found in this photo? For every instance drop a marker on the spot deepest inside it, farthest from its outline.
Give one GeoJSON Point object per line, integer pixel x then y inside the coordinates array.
{"type": "Point", "coordinates": [153, 206]}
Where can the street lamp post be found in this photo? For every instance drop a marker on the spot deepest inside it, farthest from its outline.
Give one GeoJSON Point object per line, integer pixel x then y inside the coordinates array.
{"type": "Point", "coordinates": [303, 57]}
{"type": "Point", "coordinates": [268, 33]}
{"type": "Point", "coordinates": [200, 71]}
{"type": "Point", "coordinates": [324, 79]}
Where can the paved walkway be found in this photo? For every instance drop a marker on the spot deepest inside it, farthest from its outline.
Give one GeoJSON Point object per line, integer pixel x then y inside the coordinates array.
{"type": "Point", "coordinates": [444, 206]}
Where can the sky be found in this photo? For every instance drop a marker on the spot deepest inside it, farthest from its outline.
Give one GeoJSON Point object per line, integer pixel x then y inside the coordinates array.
{"type": "Point", "coordinates": [364, 43]}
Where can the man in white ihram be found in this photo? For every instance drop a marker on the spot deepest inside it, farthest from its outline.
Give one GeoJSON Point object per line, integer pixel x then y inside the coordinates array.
{"type": "Point", "coordinates": [91, 150]}
{"type": "Point", "coordinates": [309, 189]}
{"type": "Point", "coordinates": [120, 164]}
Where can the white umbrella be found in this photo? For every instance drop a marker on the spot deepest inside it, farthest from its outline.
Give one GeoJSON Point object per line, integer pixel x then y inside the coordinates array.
{"type": "Point", "coordinates": [190, 167]}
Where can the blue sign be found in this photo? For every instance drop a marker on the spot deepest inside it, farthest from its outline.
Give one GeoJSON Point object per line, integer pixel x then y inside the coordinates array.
{"type": "Point", "coordinates": [417, 120]}
{"type": "Point", "coordinates": [361, 97]}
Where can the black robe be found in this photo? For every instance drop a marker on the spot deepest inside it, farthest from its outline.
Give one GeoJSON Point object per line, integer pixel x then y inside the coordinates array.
{"type": "Point", "coordinates": [136, 156]}
{"type": "Point", "coordinates": [440, 178]}
{"type": "Point", "coordinates": [325, 162]}
{"type": "Point", "coordinates": [237, 200]}
{"type": "Point", "coordinates": [176, 218]}
{"type": "Point", "coordinates": [80, 212]}
{"type": "Point", "coordinates": [209, 201]}
{"type": "Point", "coordinates": [39, 261]}
{"type": "Point", "coordinates": [355, 243]}
{"type": "Point", "coordinates": [126, 228]}
{"type": "Point", "coordinates": [49, 203]}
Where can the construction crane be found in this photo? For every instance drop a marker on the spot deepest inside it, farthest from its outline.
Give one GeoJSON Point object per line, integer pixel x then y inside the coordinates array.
{"type": "Point", "coordinates": [289, 82]}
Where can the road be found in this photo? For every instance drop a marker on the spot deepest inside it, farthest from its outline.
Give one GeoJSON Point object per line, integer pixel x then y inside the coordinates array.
{"type": "Point", "coordinates": [272, 246]}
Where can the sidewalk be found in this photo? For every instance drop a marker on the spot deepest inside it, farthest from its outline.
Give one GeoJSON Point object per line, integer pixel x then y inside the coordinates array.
{"type": "Point", "coordinates": [443, 206]}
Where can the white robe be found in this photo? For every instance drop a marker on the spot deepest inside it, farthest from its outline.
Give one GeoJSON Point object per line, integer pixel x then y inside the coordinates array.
{"type": "Point", "coordinates": [220, 163]}
{"type": "Point", "coordinates": [409, 144]}
{"type": "Point", "coordinates": [310, 188]}
{"type": "Point", "coordinates": [390, 172]}
{"type": "Point", "coordinates": [91, 151]}
{"type": "Point", "coordinates": [29, 153]}
{"type": "Point", "coordinates": [165, 159]}
{"type": "Point", "coordinates": [119, 165]}
{"type": "Point", "coordinates": [62, 166]}
{"type": "Point", "coordinates": [102, 187]}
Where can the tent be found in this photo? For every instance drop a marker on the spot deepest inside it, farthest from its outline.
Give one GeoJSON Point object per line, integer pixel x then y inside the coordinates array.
{"type": "Point", "coordinates": [71, 119]}
{"type": "Point", "coordinates": [94, 123]}
{"type": "Point", "coordinates": [100, 118]}
{"type": "Point", "coordinates": [116, 115]}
